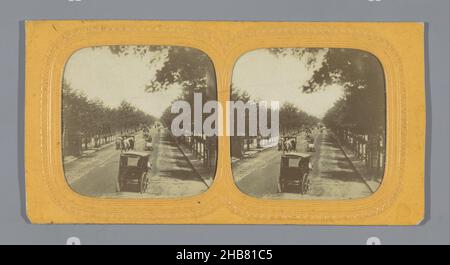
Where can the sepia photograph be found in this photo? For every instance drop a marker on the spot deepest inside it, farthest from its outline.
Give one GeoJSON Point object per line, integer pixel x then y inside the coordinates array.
{"type": "Point", "coordinates": [329, 140]}
{"type": "Point", "coordinates": [116, 122]}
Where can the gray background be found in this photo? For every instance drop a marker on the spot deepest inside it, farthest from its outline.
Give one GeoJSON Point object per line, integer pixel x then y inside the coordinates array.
{"type": "Point", "coordinates": [14, 227]}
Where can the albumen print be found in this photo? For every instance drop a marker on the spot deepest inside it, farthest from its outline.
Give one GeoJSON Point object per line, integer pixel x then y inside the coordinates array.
{"type": "Point", "coordinates": [116, 122]}
{"type": "Point", "coordinates": [331, 139]}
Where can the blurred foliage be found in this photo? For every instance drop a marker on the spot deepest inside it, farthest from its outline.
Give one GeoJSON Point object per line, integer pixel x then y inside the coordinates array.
{"type": "Point", "coordinates": [188, 67]}
{"type": "Point", "coordinates": [292, 118]}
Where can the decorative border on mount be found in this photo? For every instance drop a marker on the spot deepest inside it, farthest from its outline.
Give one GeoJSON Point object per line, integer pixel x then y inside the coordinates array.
{"type": "Point", "coordinates": [49, 131]}
{"type": "Point", "coordinates": [273, 209]}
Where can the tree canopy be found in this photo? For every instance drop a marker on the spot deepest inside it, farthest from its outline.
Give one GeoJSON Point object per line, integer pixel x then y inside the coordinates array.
{"type": "Point", "coordinates": [188, 67]}
{"type": "Point", "coordinates": [291, 117]}
{"type": "Point", "coordinates": [359, 73]}
{"type": "Point", "coordinates": [91, 117]}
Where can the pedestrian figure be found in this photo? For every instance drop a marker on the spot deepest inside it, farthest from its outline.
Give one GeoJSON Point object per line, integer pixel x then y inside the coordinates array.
{"type": "Point", "coordinates": [118, 143]}
{"type": "Point", "coordinates": [125, 144]}
{"type": "Point", "coordinates": [280, 144]}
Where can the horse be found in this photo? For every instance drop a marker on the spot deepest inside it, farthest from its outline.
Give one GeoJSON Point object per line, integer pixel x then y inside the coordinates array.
{"type": "Point", "coordinates": [118, 143]}
{"type": "Point", "coordinates": [280, 144]}
{"type": "Point", "coordinates": [123, 144]}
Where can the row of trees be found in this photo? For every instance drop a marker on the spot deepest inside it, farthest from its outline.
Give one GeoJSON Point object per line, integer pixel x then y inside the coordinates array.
{"type": "Point", "coordinates": [89, 122]}
{"type": "Point", "coordinates": [355, 121]}
{"type": "Point", "coordinates": [359, 118]}
{"type": "Point", "coordinates": [291, 120]}
{"type": "Point", "coordinates": [201, 145]}
{"type": "Point", "coordinates": [291, 117]}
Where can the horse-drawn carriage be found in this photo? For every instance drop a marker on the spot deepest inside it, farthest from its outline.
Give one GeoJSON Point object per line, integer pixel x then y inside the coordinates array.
{"type": "Point", "coordinates": [294, 171]}
{"type": "Point", "coordinates": [133, 169]}
{"type": "Point", "coordinates": [125, 142]}
{"type": "Point", "coordinates": [287, 143]}
{"type": "Point", "coordinates": [148, 141]}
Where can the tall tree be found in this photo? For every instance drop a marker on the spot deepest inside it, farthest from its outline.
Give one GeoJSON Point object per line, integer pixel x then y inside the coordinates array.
{"type": "Point", "coordinates": [188, 67]}
{"type": "Point", "coordinates": [292, 118]}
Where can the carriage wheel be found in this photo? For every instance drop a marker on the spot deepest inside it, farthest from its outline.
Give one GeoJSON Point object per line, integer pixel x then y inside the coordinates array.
{"type": "Point", "coordinates": [302, 185]}
{"type": "Point", "coordinates": [145, 183]}
{"type": "Point", "coordinates": [305, 184]}
{"type": "Point", "coordinates": [141, 185]}
{"type": "Point", "coordinates": [308, 186]}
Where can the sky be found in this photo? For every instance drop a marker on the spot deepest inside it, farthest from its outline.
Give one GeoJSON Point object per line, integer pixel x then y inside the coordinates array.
{"type": "Point", "coordinates": [111, 78]}
{"type": "Point", "coordinates": [265, 76]}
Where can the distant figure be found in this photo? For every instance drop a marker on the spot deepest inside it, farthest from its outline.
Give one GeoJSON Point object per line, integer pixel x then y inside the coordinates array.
{"type": "Point", "coordinates": [280, 144]}
{"type": "Point", "coordinates": [118, 143]}
{"type": "Point", "coordinates": [123, 144]}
